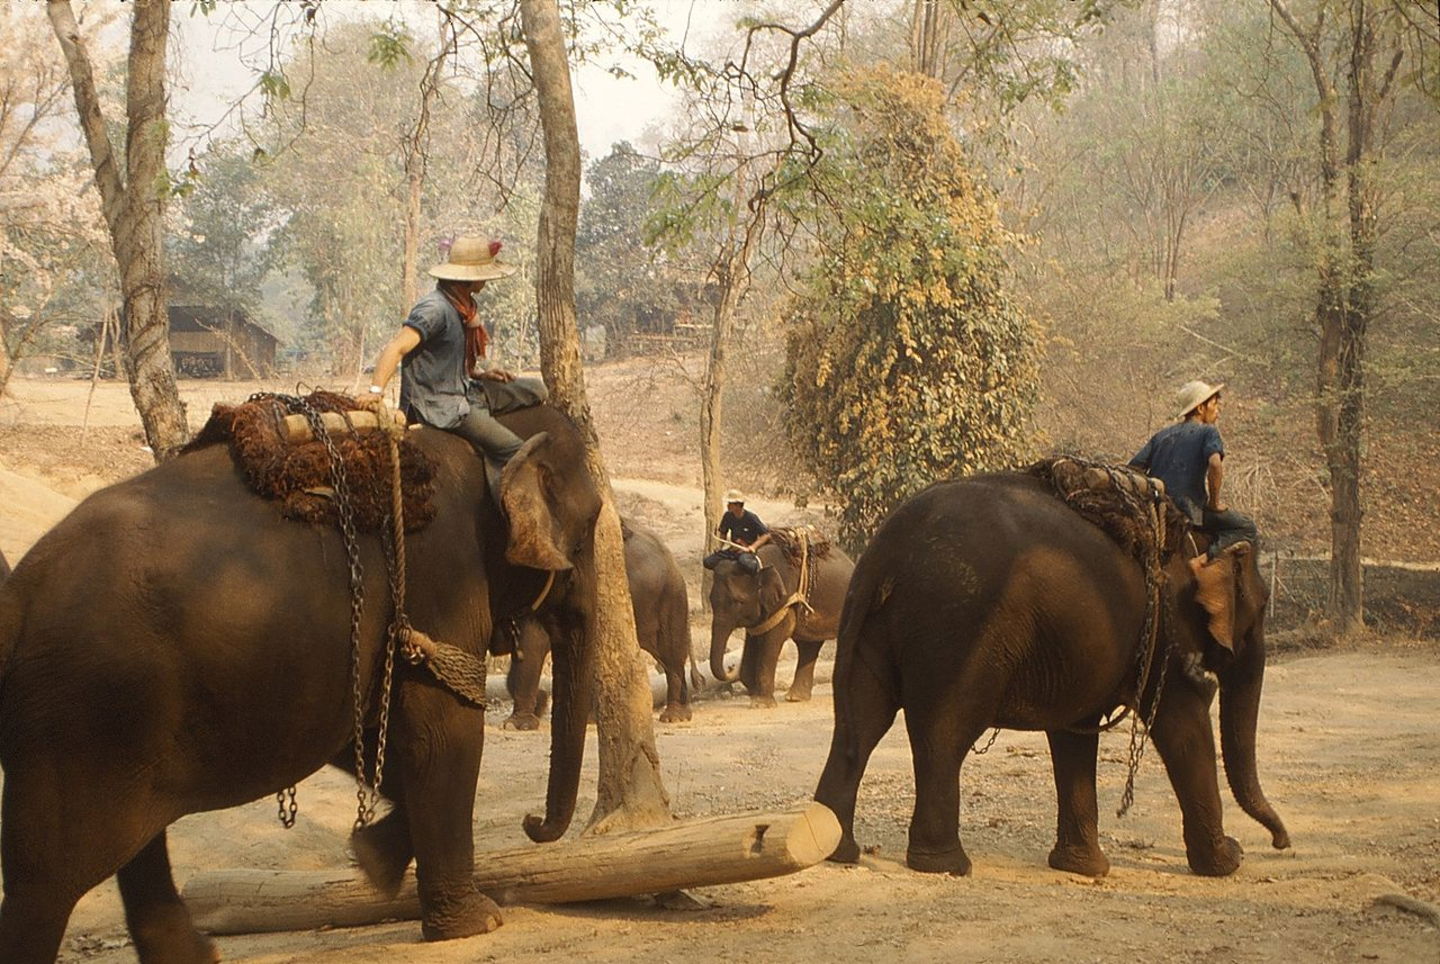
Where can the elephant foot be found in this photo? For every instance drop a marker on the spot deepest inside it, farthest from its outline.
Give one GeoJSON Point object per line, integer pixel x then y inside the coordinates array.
{"type": "Point", "coordinates": [383, 852]}
{"type": "Point", "coordinates": [476, 914]}
{"type": "Point", "coordinates": [521, 721]}
{"type": "Point", "coordinates": [847, 852]}
{"type": "Point", "coordinates": [1086, 861]}
{"type": "Point", "coordinates": [675, 713]}
{"type": "Point", "coordinates": [1218, 862]}
{"type": "Point", "coordinates": [954, 862]}
{"type": "Point", "coordinates": [762, 702]}
{"type": "Point", "coordinates": [797, 696]}
{"type": "Point", "coordinates": [172, 937]}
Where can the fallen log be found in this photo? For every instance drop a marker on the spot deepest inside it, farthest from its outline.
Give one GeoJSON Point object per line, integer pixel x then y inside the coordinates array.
{"type": "Point", "coordinates": [297, 428]}
{"type": "Point", "coordinates": [691, 853]}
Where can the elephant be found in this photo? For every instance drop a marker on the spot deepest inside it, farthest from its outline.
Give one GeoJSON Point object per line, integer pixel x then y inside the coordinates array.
{"type": "Point", "coordinates": [989, 602]}
{"type": "Point", "coordinates": [662, 624]}
{"type": "Point", "coordinates": [742, 599]}
{"type": "Point", "coordinates": [4, 568]}
{"type": "Point", "coordinates": [175, 645]}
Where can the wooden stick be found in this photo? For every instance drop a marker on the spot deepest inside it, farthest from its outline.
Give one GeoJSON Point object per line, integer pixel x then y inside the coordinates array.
{"type": "Point", "coordinates": [691, 853]}
{"type": "Point", "coordinates": [297, 428]}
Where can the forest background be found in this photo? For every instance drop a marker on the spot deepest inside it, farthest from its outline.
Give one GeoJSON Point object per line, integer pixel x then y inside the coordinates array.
{"type": "Point", "coordinates": [1144, 186]}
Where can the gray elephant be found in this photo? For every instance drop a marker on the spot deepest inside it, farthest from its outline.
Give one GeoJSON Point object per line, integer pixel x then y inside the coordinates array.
{"type": "Point", "coordinates": [662, 624]}
{"type": "Point", "coordinates": [175, 645]}
{"type": "Point", "coordinates": [989, 602]}
{"type": "Point", "coordinates": [768, 606]}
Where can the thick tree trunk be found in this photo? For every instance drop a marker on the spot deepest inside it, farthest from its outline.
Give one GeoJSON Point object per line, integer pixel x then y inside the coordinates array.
{"type": "Point", "coordinates": [134, 208]}
{"type": "Point", "coordinates": [630, 793]}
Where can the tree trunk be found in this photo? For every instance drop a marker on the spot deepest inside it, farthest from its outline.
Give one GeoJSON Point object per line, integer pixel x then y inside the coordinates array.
{"type": "Point", "coordinates": [630, 793]}
{"type": "Point", "coordinates": [134, 208]}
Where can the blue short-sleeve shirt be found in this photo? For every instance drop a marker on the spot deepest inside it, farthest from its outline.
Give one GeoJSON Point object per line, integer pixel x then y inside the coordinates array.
{"type": "Point", "coordinates": [1179, 456]}
{"type": "Point", "coordinates": [433, 382]}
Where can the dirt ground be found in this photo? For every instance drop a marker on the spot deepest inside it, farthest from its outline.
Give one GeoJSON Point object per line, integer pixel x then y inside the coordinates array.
{"type": "Point", "coordinates": [1349, 756]}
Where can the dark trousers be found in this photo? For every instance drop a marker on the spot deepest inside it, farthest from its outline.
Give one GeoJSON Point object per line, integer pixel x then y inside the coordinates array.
{"type": "Point", "coordinates": [1228, 528]}
{"type": "Point", "coordinates": [747, 560]}
{"type": "Point", "coordinates": [480, 427]}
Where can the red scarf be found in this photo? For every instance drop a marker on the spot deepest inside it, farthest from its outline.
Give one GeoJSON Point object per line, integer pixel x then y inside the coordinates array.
{"type": "Point", "coordinates": [475, 337]}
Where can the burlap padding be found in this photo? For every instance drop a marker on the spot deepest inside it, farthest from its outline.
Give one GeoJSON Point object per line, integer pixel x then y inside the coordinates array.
{"type": "Point", "coordinates": [282, 470]}
{"type": "Point", "coordinates": [1113, 497]}
{"type": "Point", "coordinates": [788, 539]}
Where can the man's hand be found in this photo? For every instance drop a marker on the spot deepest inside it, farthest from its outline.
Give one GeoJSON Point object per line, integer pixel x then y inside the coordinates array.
{"type": "Point", "coordinates": [372, 402]}
{"type": "Point", "coordinates": [496, 375]}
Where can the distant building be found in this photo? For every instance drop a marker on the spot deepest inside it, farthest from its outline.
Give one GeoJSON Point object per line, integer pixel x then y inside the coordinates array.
{"type": "Point", "coordinates": [213, 341]}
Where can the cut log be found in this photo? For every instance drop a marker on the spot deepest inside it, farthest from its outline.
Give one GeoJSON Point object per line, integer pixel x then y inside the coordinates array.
{"type": "Point", "coordinates": [692, 853]}
{"type": "Point", "coordinates": [297, 427]}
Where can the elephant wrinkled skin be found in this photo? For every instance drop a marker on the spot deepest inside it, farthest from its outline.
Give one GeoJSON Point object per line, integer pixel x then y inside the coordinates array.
{"type": "Point", "coordinates": [744, 600]}
{"type": "Point", "coordinates": [175, 646]}
{"type": "Point", "coordinates": [988, 602]}
{"type": "Point", "coordinates": [662, 626]}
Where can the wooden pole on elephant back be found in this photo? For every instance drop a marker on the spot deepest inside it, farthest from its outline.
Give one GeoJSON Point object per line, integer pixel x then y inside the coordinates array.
{"type": "Point", "coordinates": [630, 793]}
{"type": "Point", "coordinates": [701, 852]}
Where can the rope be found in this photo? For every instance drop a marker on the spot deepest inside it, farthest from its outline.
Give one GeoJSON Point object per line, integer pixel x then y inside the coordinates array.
{"type": "Point", "coordinates": [800, 597]}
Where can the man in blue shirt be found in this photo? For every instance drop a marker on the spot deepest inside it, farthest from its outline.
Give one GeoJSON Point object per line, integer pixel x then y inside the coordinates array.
{"type": "Point", "coordinates": [743, 530]}
{"type": "Point", "coordinates": [1189, 457]}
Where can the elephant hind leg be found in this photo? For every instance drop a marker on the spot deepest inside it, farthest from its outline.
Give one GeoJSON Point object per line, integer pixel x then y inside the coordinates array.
{"type": "Point", "coordinates": [677, 697]}
{"type": "Point", "coordinates": [865, 708]}
{"type": "Point", "coordinates": [940, 736]}
{"type": "Point", "coordinates": [1077, 836]}
{"type": "Point", "coordinates": [159, 923]}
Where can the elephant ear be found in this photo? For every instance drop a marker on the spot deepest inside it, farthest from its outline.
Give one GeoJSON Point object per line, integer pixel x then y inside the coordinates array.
{"type": "Point", "coordinates": [1215, 589]}
{"type": "Point", "coordinates": [528, 501]}
{"type": "Point", "coordinates": [772, 589]}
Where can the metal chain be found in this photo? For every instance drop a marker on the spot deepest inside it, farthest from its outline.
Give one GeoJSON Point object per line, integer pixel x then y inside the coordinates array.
{"type": "Point", "coordinates": [286, 813]}
{"type": "Point", "coordinates": [995, 734]}
{"type": "Point", "coordinates": [1156, 515]}
{"type": "Point", "coordinates": [367, 795]}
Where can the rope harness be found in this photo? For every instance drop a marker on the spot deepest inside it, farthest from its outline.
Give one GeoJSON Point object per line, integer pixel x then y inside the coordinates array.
{"type": "Point", "coordinates": [460, 672]}
{"type": "Point", "coordinates": [800, 597]}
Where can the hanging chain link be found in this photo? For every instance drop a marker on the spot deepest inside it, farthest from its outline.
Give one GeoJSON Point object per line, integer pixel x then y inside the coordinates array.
{"type": "Point", "coordinates": [994, 735]}
{"type": "Point", "coordinates": [1155, 514]}
{"type": "Point", "coordinates": [284, 812]}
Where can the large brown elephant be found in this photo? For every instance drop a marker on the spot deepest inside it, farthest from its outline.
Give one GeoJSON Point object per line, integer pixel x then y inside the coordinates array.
{"type": "Point", "coordinates": [175, 645]}
{"type": "Point", "coordinates": [662, 625]}
{"type": "Point", "coordinates": [989, 602]}
{"type": "Point", "coordinates": [740, 599]}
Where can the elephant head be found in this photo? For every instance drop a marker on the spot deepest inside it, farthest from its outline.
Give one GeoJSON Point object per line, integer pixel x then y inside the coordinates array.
{"type": "Point", "coordinates": [1220, 610]}
{"type": "Point", "coordinates": [551, 503]}
{"type": "Point", "coordinates": [740, 599]}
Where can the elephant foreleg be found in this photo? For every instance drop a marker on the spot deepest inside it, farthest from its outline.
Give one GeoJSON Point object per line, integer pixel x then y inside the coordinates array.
{"type": "Point", "coordinates": [158, 921]}
{"type": "Point", "coordinates": [677, 695]}
{"type": "Point", "coordinates": [532, 646]}
{"type": "Point", "coordinates": [763, 653]}
{"type": "Point", "coordinates": [804, 680]}
{"type": "Point", "coordinates": [1186, 743]}
{"type": "Point", "coordinates": [437, 744]}
{"type": "Point", "coordinates": [1077, 835]}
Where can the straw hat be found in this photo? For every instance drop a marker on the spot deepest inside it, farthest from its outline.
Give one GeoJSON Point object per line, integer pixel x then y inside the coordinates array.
{"type": "Point", "coordinates": [1194, 394]}
{"type": "Point", "coordinates": [733, 496]}
{"type": "Point", "coordinates": [473, 259]}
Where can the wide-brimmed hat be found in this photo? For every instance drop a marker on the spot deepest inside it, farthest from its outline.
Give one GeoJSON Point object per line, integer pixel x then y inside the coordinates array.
{"type": "Point", "coordinates": [734, 495]}
{"type": "Point", "coordinates": [1194, 394]}
{"type": "Point", "coordinates": [473, 259]}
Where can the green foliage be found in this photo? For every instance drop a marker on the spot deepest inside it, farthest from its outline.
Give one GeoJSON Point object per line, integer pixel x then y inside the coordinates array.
{"type": "Point", "coordinates": [389, 46]}
{"type": "Point", "coordinates": [908, 361]}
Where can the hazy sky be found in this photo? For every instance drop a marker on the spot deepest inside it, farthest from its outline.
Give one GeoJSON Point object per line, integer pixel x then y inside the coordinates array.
{"type": "Point", "coordinates": [216, 57]}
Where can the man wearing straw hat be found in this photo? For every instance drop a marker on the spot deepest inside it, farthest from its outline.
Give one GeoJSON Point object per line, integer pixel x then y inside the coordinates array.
{"type": "Point", "coordinates": [742, 532]}
{"type": "Point", "coordinates": [440, 350]}
{"type": "Point", "coordinates": [1189, 457]}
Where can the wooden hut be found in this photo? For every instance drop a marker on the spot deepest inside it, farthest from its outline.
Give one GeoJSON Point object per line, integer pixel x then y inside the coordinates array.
{"type": "Point", "coordinates": [205, 340]}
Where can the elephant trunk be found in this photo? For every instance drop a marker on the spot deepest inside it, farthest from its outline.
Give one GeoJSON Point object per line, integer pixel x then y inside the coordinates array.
{"type": "Point", "coordinates": [1240, 686]}
{"type": "Point", "coordinates": [719, 637]}
{"type": "Point", "coordinates": [572, 653]}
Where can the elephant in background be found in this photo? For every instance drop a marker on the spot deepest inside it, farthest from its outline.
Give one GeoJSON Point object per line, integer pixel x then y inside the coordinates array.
{"type": "Point", "coordinates": [754, 601]}
{"type": "Point", "coordinates": [157, 641]}
{"type": "Point", "coordinates": [989, 602]}
{"type": "Point", "coordinates": [662, 624]}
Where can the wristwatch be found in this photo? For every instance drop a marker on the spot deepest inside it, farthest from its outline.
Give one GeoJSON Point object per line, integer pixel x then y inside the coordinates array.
{"type": "Point", "coordinates": [376, 390]}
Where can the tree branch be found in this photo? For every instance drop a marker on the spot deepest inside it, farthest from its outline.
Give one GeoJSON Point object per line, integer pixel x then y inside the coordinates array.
{"type": "Point", "coordinates": [87, 102]}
